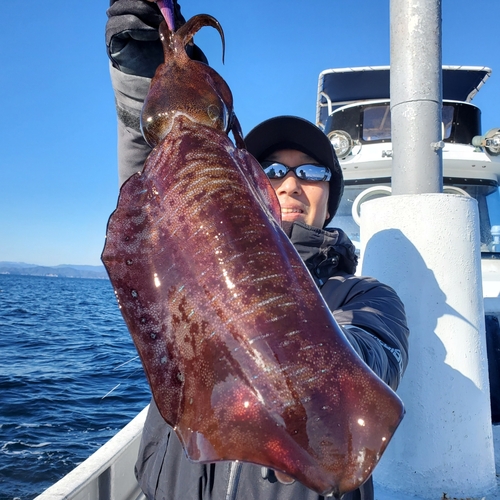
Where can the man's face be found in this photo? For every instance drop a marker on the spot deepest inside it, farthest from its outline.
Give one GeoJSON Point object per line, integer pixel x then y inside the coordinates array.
{"type": "Point", "coordinates": [300, 200]}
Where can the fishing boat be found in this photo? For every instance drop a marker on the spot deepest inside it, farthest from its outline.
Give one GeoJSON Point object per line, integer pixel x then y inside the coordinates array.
{"type": "Point", "coordinates": [353, 109]}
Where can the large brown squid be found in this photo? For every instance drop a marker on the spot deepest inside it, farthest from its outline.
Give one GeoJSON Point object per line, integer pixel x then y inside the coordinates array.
{"type": "Point", "coordinates": [244, 359]}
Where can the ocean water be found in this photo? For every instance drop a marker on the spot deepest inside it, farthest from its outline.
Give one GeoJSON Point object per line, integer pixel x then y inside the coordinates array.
{"type": "Point", "coordinates": [70, 378]}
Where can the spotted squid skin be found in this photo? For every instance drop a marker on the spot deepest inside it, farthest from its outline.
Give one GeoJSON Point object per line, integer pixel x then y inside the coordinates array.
{"type": "Point", "coordinates": [244, 359]}
{"type": "Point", "coordinates": [196, 90]}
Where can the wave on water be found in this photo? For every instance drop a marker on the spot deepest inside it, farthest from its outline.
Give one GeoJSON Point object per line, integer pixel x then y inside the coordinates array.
{"type": "Point", "coordinates": [70, 380]}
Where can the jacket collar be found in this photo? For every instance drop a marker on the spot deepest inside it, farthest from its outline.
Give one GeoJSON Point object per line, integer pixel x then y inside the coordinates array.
{"type": "Point", "coordinates": [325, 252]}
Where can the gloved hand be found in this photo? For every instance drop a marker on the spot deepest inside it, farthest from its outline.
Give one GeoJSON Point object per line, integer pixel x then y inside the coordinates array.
{"type": "Point", "coordinates": [132, 38]}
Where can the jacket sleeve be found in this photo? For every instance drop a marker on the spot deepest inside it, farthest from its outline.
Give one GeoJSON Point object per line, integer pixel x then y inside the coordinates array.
{"type": "Point", "coordinates": [373, 318]}
{"type": "Point", "coordinates": [135, 51]}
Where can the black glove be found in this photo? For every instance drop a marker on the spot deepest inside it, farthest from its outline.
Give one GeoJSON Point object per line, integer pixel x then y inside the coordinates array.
{"type": "Point", "coordinates": [132, 38]}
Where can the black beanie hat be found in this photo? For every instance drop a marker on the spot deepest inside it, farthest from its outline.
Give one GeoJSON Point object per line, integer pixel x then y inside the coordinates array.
{"type": "Point", "coordinates": [292, 132]}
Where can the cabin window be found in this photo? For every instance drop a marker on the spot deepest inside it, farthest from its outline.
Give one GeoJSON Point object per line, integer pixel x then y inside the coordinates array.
{"type": "Point", "coordinates": [447, 121]}
{"type": "Point", "coordinates": [488, 201]}
{"type": "Point", "coordinates": [486, 194]}
{"type": "Point", "coordinates": [377, 123]}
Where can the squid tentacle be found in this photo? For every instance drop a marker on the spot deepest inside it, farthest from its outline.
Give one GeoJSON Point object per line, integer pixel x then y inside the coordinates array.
{"type": "Point", "coordinates": [187, 31]}
{"type": "Point", "coordinates": [174, 40]}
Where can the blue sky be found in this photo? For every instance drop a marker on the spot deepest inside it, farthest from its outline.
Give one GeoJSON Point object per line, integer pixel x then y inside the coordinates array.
{"type": "Point", "coordinates": [58, 182]}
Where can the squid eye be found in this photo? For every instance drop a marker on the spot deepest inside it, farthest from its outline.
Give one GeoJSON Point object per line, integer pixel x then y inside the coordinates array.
{"type": "Point", "coordinates": [219, 117]}
{"type": "Point", "coordinates": [213, 112]}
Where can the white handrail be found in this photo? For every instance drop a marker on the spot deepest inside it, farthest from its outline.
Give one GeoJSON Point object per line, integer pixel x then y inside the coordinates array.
{"type": "Point", "coordinates": [108, 474]}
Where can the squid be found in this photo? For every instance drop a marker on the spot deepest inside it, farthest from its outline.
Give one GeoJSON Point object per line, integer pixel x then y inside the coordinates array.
{"type": "Point", "coordinates": [244, 359]}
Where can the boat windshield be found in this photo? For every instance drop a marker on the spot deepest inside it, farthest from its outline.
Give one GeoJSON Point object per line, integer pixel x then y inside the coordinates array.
{"type": "Point", "coordinates": [486, 194]}
{"type": "Point", "coordinates": [377, 122]}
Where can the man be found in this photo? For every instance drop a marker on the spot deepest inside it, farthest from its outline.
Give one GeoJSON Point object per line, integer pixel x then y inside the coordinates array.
{"type": "Point", "coordinates": [304, 171]}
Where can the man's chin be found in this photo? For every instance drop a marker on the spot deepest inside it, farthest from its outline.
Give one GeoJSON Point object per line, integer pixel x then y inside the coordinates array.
{"type": "Point", "coordinates": [293, 218]}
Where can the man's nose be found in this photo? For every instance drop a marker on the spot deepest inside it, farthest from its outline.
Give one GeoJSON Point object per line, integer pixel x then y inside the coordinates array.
{"type": "Point", "coordinates": [290, 184]}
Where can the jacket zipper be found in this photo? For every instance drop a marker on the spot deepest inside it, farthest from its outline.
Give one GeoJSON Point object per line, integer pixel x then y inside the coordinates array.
{"type": "Point", "coordinates": [234, 477]}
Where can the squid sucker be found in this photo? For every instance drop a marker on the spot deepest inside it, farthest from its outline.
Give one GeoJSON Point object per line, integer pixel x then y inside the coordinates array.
{"type": "Point", "coordinates": [244, 359]}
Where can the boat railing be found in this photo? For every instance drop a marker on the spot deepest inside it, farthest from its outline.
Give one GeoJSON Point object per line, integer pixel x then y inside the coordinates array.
{"type": "Point", "coordinates": [108, 474]}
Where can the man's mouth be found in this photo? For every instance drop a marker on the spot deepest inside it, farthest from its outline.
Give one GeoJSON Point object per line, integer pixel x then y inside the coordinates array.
{"type": "Point", "coordinates": [291, 211]}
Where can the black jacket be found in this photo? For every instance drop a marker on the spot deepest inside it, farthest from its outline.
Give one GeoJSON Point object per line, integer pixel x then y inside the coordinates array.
{"type": "Point", "coordinates": [373, 319]}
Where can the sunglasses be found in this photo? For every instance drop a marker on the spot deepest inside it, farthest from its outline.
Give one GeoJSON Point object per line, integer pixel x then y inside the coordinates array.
{"type": "Point", "coordinates": [306, 172]}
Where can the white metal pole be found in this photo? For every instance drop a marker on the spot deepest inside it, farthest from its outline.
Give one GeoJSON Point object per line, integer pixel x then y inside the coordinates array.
{"type": "Point", "coordinates": [416, 96]}
{"type": "Point", "coordinates": [425, 244]}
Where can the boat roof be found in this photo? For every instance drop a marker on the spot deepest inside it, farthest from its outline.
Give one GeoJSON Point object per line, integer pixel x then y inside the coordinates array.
{"type": "Point", "coordinates": [340, 86]}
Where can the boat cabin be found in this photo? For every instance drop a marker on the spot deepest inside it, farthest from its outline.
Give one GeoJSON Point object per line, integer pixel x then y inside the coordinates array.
{"type": "Point", "coordinates": [353, 109]}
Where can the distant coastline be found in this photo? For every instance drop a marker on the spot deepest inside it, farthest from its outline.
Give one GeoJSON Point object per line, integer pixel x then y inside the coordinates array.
{"type": "Point", "coordinates": [61, 271]}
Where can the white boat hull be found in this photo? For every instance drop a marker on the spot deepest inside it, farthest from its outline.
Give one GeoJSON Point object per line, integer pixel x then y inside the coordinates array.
{"type": "Point", "coordinates": [108, 474]}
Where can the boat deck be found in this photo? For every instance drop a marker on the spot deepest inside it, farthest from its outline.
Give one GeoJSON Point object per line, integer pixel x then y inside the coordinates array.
{"type": "Point", "coordinates": [109, 473]}
{"type": "Point", "coordinates": [381, 494]}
